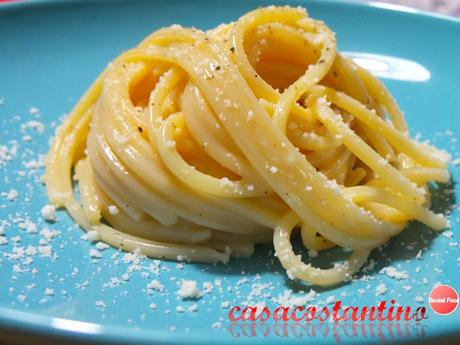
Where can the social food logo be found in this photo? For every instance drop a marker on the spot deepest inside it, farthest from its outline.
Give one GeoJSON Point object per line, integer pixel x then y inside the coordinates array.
{"type": "Point", "coordinates": [443, 299]}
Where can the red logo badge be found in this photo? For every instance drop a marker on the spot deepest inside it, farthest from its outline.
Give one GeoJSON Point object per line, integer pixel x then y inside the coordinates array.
{"type": "Point", "coordinates": [443, 299]}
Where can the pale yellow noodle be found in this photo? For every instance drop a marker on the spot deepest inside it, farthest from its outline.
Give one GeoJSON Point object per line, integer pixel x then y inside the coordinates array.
{"type": "Point", "coordinates": [198, 145]}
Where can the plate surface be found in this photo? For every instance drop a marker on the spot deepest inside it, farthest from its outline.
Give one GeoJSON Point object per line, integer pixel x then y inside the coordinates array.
{"type": "Point", "coordinates": [50, 53]}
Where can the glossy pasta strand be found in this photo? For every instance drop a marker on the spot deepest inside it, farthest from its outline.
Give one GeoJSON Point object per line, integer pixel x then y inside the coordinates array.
{"type": "Point", "coordinates": [199, 145]}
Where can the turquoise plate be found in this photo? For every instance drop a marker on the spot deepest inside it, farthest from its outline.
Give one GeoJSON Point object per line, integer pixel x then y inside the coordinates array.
{"type": "Point", "coordinates": [50, 287]}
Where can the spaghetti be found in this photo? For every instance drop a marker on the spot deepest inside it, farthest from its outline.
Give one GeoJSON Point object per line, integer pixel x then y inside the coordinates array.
{"type": "Point", "coordinates": [197, 145]}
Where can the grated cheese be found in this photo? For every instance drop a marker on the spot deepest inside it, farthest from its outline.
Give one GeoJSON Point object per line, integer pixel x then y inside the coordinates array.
{"type": "Point", "coordinates": [48, 212]}
{"type": "Point", "coordinates": [188, 289]}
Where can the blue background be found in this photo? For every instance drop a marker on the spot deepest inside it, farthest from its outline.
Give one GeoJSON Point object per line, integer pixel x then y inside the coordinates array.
{"type": "Point", "coordinates": [49, 54]}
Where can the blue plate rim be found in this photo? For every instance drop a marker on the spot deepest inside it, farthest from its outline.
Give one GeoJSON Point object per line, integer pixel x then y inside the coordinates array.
{"type": "Point", "coordinates": [15, 321]}
{"type": "Point", "coordinates": [384, 6]}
